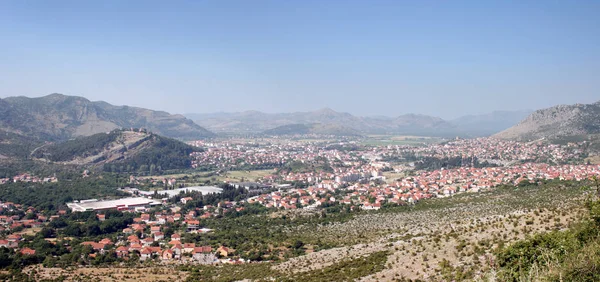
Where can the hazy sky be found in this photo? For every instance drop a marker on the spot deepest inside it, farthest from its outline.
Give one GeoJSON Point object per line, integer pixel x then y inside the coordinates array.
{"type": "Point", "coordinates": [442, 58]}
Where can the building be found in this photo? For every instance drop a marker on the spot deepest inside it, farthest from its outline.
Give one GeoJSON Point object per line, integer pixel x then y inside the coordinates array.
{"type": "Point", "coordinates": [120, 204]}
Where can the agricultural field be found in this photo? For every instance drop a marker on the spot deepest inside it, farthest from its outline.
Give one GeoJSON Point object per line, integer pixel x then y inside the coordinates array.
{"type": "Point", "coordinates": [201, 178]}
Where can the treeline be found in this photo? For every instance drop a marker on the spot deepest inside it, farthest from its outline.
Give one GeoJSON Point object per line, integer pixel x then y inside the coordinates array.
{"type": "Point", "coordinates": [433, 163]}
{"type": "Point", "coordinates": [86, 224]}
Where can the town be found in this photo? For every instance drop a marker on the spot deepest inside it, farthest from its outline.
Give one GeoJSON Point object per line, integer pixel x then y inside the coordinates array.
{"type": "Point", "coordinates": [165, 220]}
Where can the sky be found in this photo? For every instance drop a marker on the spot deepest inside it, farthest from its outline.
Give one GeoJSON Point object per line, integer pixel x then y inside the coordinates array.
{"type": "Point", "coordinates": [440, 58]}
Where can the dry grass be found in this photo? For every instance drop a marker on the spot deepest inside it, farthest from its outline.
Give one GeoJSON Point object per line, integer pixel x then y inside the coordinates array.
{"type": "Point", "coordinates": [157, 273]}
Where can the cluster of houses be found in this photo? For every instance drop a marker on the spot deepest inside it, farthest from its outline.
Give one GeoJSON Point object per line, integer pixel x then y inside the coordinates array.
{"type": "Point", "coordinates": [146, 239]}
{"type": "Point", "coordinates": [493, 150]}
{"type": "Point", "coordinates": [14, 222]}
{"type": "Point", "coordinates": [438, 183]}
{"type": "Point", "coordinates": [25, 177]}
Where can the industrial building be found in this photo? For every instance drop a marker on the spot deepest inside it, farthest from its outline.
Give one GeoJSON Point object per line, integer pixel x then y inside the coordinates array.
{"type": "Point", "coordinates": [132, 204]}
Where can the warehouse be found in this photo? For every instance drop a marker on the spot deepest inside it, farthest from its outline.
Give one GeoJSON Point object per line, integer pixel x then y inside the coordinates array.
{"type": "Point", "coordinates": [137, 204]}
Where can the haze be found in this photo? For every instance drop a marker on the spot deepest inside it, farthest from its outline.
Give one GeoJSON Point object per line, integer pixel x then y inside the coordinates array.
{"type": "Point", "coordinates": [445, 58]}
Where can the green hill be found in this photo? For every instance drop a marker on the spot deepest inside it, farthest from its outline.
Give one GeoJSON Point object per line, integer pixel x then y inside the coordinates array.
{"type": "Point", "coordinates": [121, 151]}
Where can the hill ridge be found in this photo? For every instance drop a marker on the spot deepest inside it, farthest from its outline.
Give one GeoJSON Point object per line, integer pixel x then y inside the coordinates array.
{"type": "Point", "coordinates": [557, 121]}
{"type": "Point", "coordinates": [58, 117]}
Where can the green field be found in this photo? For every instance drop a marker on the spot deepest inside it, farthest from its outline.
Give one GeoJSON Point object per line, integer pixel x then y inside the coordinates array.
{"type": "Point", "coordinates": [384, 140]}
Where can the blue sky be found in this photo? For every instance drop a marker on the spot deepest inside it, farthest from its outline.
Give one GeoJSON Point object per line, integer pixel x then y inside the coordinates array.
{"type": "Point", "coordinates": [441, 58]}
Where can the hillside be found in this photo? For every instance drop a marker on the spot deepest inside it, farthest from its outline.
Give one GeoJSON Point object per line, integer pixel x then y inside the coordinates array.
{"type": "Point", "coordinates": [59, 117]}
{"type": "Point", "coordinates": [256, 122]}
{"type": "Point", "coordinates": [13, 145]}
{"type": "Point", "coordinates": [556, 122]}
{"type": "Point", "coordinates": [315, 128]}
{"type": "Point", "coordinates": [121, 150]}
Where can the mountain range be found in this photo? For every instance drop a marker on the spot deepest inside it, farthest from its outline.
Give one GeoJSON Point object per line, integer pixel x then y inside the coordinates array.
{"type": "Point", "coordinates": [328, 121]}
{"type": "Point", "coordinates": [556, 122]}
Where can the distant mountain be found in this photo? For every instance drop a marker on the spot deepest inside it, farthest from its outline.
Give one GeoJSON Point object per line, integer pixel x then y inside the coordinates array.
{"type": "Point", "coordinates": [60, 117]}
{"type": "Point", "coordinates": [488, 124]}
{"type": "Point", "coordinates": [315, 128]}
{"type": "Point", "coordinates": [556, 122]}
{"type": "Point", "coordinates": [122, 151]}
{"type": "Point", "coordinates": [257, 122]}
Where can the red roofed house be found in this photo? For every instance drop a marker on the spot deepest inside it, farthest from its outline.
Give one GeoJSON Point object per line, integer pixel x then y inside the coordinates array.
{"type": "Point", "coordinates": [27, 252]}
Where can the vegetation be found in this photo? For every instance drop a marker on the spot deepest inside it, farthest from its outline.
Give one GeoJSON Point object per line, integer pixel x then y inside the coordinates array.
{"type": "Point", "coordinates": [346, 270]}
{"type": "Point", "coordinates": [572, 255]}
{"type": "Point", "coordinates": [49, 197]}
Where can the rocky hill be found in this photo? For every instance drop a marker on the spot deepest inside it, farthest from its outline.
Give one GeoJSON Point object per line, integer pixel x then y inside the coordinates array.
{"type": "Point", "coordinates": [120, 150]}
{"type": "Point", "coordinates": [556, 122]}
{"type": "Point", "coordinates": [59, 117]}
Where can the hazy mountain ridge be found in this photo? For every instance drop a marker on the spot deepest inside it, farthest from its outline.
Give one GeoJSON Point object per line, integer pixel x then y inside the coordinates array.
{"type": "Point", "coordinates": [490, 123]}
{"type": "Point", "coordinates": [256, 122]}
{"type": "Point", "coordinates": [59, 117]}
{"type": "Point", "coordinates": [557, 121]}
{"type": "Point", "coordinates": [410, 124]}
{"type": "Point", "coordinates": [315, 128]}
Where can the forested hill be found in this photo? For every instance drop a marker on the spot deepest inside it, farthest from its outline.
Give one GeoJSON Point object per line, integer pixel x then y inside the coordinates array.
{"type": "Point", "coordinates": [121, 151]}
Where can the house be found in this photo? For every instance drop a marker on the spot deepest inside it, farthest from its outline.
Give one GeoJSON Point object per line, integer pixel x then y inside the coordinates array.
{"type": "Point", "coordinates": [14, 238]}
{"type": "Point", "coordinates": [147, 241]}
{"type": "Point", "coordinates": [224, 251]}
{"type": "Point", "coordinates": [204, 255]}
{"type": "Point", "coordinates": [188, 248]}
{"type": "Point", "coordinates": [27, 252]}
{"type": "Point", "coordinates": [158, 236]}
{"type": "Point", "coordinates": [177, 250]}
{"type": "Point", "coordinates": [192, 225]}
{"type": "Point", "coordinates": [101, 217]}
{"type": "Point", "coordinates": [122, 251]}
{"type": "Point", "coordinates": [167, 255]}
{"type": "Point", "coordinates": [176, 237]}
{"type": "Point", "coordinates": [106, 241]}
{"type": "Point", "coordinates": [135, 247]}
{"type": "Point", "coordinates": [145, 254]}
{"type": "Point", "coordinates": [154, 229]}
{"type": "Point", "coordinates": [95, 246]}
{"type": "Point", "coordinates": [186, 200]}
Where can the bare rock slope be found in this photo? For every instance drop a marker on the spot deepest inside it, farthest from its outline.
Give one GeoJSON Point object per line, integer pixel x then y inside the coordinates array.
{"type": "Point", "coordinates": [558, 121]}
